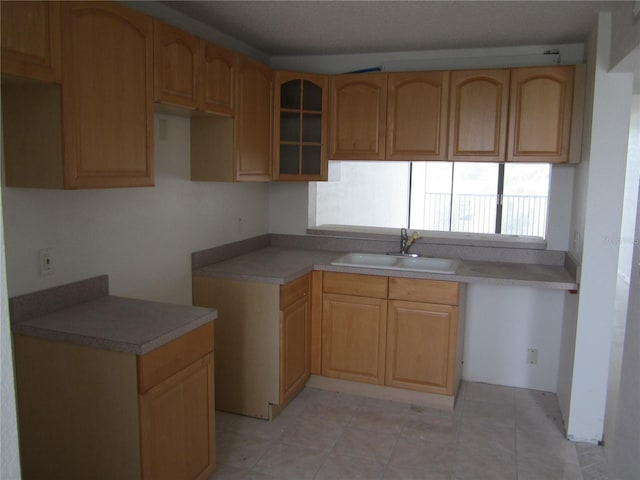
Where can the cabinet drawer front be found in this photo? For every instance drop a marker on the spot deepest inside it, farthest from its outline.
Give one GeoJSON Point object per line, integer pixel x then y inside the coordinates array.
{"type": "Point", "coordinates": [432, 291]}
{"type": "Point", "coordinates": [355, 284]}
{"type": "Point", "coordinates": [161, 363]}
{"type": "Point", "coordinates": [294, 291]}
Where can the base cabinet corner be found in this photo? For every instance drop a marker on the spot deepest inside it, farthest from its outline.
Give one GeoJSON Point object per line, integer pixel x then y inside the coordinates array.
{"type": "Point", "coordinates": [84, 412]}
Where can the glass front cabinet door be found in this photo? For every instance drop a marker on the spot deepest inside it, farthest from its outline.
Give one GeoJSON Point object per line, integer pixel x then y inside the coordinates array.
{"type": "Point", "coordinates": [300, 127]}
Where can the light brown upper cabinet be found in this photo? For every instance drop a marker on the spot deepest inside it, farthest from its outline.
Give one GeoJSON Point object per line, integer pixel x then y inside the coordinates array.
{"type": "Point", "coordinates": [192, 73]}
{"type": "Point", "coordinates": [177, 60]}
{"type": "Point", "coordinates": [96, 130]}
{"type": "Point", "coordinates": [358, 116]}
{"type": "Point", "coordinates": [300, 126]}
{"type": "Point", "coordinates": [417, 116]}
{"type": "Point", "coordinates": [30, 38]}
{"type": "Point", "coordinates": [478, 106]}
{"type": "Point", "coordinates": [540, 114]}
{"type": "Point", "coordinates": [217, 79]}
{"type": "Point", "coordinates": [253, 125]}
{"type": "Point", "coordinates": [107, 95]}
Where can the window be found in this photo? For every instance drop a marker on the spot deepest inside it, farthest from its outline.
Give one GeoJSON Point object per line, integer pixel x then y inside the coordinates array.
{"type": "Point", "coordinates": [440, 196]}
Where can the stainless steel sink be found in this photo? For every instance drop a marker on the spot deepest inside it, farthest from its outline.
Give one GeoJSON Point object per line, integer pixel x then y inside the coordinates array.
{"type": "Point", "coordinates": [392, 262]}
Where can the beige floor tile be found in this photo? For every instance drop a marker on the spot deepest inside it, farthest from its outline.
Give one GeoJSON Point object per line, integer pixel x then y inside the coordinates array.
{"type": "Point", "coordinates": [547, 470]}
{"type": "Point", "coordinates": [432, 454]}
{"type": "Point", "coordinates": [261, 428]}
{"type": "Point", "coordinates": [239, 450]}
{"type": "Point", "coordinates": [493, 413]}
{"type": "Point", "coordinates": [472, 433]}
{"type": "Point", "coordinates": [315, 432]}
{"type": "Point", "coordinates": [483, 462]}
{"type": "Point", "coordinates": [493, 433]}
{"type": "Point", "coordinates": [227, 472]}
{"type": "Point", "coordinates": [403, 472]}
{"type": "Point", "coordinates": [290, 462]}
{"type": "Point", "coordinates": [424, 426]}
{"type": "Point", "coordinates": [380, 415]}
{"type": "Point", "coordinates": [546, 445]}
{"type": "Point", "coordinates": [369, 444]}
{"type": "Point", "coordinates": [349, 468]}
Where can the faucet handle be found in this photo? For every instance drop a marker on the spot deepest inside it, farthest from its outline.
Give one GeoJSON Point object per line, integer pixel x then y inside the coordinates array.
{"type": "Point", "coordinates": [403, 233]}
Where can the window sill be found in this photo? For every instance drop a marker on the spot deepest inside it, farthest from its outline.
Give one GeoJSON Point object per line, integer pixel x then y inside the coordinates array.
{"type": "Point", "coordinates": [433, 237]}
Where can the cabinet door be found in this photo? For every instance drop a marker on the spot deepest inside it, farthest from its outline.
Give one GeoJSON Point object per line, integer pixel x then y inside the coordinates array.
{"type": "Point", "coordinates": [30, 38]}
{"type": "Point", "coordinates": [300, 126]}
{"type": "Point", "coordinates": [177, 425]}
{"type": "Point", "coordinates": [353, 338]}
{"type": "Point", "coordinates": [107, 100]}
{"type": "Point", "coordinates": [217, 79]}
{"type": "Point", "coordinates": [478, 115]}
{"type": "Point", "coordinates": [540, 114]}
{"type": "Point", "coordinates": [295, 337]}
{"type": "Point", "coordinates": [253, 132]}
{"type": "Point", "coordinates": [421, 346]}
{"type": "Point", "coordinates": [358, 117]}
{"type": "Point", "coordinates": [417, 116]}
{"type": "Point", "coordinates": [176, 66]}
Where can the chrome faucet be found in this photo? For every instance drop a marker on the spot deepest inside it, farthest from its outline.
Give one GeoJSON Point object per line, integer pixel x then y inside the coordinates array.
{"type": "Point", "coordinates": [406, 241]}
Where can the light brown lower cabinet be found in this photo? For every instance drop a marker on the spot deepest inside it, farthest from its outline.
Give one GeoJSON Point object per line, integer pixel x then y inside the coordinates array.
{"type": "Point", "coordinates": [353, 338]}
{"type": "Point", "coordinates": [263, 335]}
{"type": "Point", "coordinates": [421, 346]}
{"type": "Point", "coordinates": [90, 413]}
{"type": "Point", "coordinates": [397, 332]}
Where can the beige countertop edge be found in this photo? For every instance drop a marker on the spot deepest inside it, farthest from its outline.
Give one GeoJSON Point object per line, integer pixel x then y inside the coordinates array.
{"type": "Point", "coordinates": [560, 283]}
{"type": "Point", "coordinates": [23, 328]}
{"type": "Point", "coordinates": [107, 344]}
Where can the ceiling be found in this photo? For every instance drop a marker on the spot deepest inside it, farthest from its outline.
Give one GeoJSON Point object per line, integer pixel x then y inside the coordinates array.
{"type": "Point", "coordinates": [280, 28]}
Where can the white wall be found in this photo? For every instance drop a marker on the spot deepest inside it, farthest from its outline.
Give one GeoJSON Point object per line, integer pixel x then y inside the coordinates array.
{"type": "Point", "coordinates": [502, 322]}
{"type": "Point", "coordinates": [607, 141]}
{"type": "Point", "coordinates": [9, 455]}
{"type": "Point", "coordinates": [288, 207]}
{"type": "Point", "coordinates": [141, 237]}
{"type": "Point", "coordinates": [625, 441]}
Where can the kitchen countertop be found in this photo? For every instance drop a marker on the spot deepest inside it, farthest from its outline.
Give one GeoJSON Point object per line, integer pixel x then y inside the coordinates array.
{"type": "Point", "coordinates": [282, 265]}
{"type": "Point", "coordinates": [114, 323]}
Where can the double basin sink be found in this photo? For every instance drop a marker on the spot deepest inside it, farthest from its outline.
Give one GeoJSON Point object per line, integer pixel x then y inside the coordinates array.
{"type": "Point", "coordinates": [398, 262]}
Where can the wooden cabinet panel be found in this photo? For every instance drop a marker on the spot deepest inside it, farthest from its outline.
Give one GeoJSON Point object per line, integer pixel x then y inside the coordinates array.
{"type": "Point", "coordinates": [540, 114]}
{"type": "Point", "coordinates": [107, 111]}
{"type": "Point", "coordinates": [421, 346]}
{"type": "Point", "coordinates": [316, 323]}
{"type": "Point", "coordinates": [478, 115]}
{"type": "Point", "coordinates": [176, 66]}
{"type": "Point", "coordinates": [300, 126]}
{"type": "Point", "coordinates": [217, 79]}
{"type": "Point", "coordinates": [30, 39]}
{"type": "Point", "coordinates": [165, 361]}
{"type": "Point", "coordinates": [294, 290]}
{"type": "Point", "coordinates": [355, 284]}
{"type": "Point", "coordinates": [417, 116]}
{"type": "Point", "coordinates": [430, 291]}
{"type": "Point", "coordinates": [357, 119]}
{"type": "Point", "coordinates": [253, 126]}
{"type": "Point", "coordinates": [295, 337]}
{"type": "Point", "coordinates": [177, 425]}
{"type": "Point", "coordinates": [353, 338]}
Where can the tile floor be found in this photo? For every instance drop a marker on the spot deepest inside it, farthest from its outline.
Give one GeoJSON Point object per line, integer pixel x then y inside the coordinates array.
{"type": "Point", "coordinates": [494, 433]}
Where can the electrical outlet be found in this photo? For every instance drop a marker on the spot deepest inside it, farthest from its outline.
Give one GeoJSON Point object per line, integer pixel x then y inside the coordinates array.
{"type": "Point", "coordinates": [45, 261]}
{"type": "Point", "coordinates": [532, 356]}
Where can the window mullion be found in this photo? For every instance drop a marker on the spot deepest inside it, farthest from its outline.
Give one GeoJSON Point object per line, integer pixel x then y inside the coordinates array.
{"type": "Point", "coordinates": [500, 198]}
